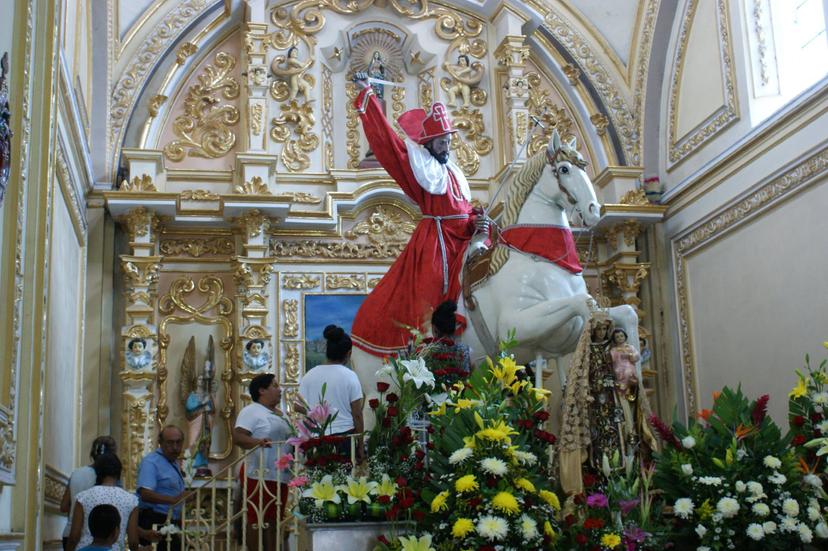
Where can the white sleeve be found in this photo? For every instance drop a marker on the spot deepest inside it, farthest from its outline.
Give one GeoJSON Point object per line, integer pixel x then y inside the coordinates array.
{"type": "Point", "coordinates": [246, 419]}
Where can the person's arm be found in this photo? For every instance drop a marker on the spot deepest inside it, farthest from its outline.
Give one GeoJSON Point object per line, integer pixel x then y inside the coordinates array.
{"type": "Point", "coordinates": [244, 439]}
{"type": "Point", "coordinates": [77, 528]}
{"type": "Point", "coordinates": [151, 496]}
{"type": "Point", "coordinates": [66, 501]}
{"type": "Point", "coordinates": [359, 428]}
{"type": "Point", "coordinates": [132, 530]}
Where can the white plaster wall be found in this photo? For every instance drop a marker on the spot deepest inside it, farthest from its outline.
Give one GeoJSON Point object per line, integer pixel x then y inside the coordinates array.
{"type": "Point", "coordinates": [128, 13]}
{"type": "Point", "coordinates": [758, 301]}
{"type": "Point", "coordinates": [62, 394]}
{"type": "Point", "coordinates": [615, 20]}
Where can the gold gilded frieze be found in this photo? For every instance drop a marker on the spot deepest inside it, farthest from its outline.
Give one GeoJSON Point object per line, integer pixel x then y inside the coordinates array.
{"type": "Point", "coordinates": [300, 281]}
{"type": "Point", "coordinates": [290, 309]}
{"type": "Point", "coordinates": [197, 247]}
{"type": "Point", "coordinates": [350, 282]}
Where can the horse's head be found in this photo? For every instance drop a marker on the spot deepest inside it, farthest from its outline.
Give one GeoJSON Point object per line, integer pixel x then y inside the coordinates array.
{"type": "Point", "coordinates": [574, 188]}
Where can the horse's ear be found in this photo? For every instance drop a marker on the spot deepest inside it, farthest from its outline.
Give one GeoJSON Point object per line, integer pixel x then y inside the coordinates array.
{"type": "Point", "coordinates": [572, 143]}
{"type": "Point", "coordinates": [555, 142]}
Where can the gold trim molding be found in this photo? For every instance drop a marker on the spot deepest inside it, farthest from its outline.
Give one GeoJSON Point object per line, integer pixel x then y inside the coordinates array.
{"type": "Point", "coordinates": [797, 177]}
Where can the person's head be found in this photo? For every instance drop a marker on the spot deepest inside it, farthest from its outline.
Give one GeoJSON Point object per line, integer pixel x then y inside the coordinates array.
{"type": "Point", "coordinates": [107, 466]}
{"type": "Point", "coordinates": [102, 445]}
{"type": "Point", "coordinates": [619, 336]}
{"type": "Point", "coordinates": [444, 320]}
{"type": "Point", "coordinates": [463, 60]}
{"type": "Point", "coordinates": [136, 346]}
{"type": "Point", "coordinates": [171, 441]}
{"type": "Point", "coordinates": [265, 390]}
{"type": "Point", "coordinates": [105, 524]}
{"type": "Point", "coordinates": [439, 148]}
{"type": "Point", "coordinates": [600, 330]}
{"type": "Point", "coordinates": [339, 344]}
{"type": "Point", "coordinates": [254, 347]}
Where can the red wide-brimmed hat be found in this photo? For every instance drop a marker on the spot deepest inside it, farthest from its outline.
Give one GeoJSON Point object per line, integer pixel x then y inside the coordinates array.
{"type": "Point", "coordinates": [422, 127]}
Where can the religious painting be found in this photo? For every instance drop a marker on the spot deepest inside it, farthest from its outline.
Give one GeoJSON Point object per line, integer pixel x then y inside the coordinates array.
{"type": "Point", "coordinates": [324, 310]}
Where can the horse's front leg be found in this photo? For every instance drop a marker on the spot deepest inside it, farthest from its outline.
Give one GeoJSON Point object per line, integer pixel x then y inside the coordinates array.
{"type": "Point", "coordinates": [540, 320]}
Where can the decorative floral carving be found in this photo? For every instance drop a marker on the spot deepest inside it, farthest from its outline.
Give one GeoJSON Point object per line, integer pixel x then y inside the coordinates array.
{"type": "Point", "coordinates": [155, 104]}
{"type": "Point", "coordinates": [256, 118]}
{"type": "Point", "coordinates": [254, 222]}
{"type": "Point", "coordinates": [290, 308]}
{"type": "Point", "coordinates": [352, 126]}
{"type": "Point", "coordinates": [203, 129]}
{"type": "Point", "coordinates": [291, 362]}
{"type": "Point", "coordinates": [199, 195]}
{"type": "Point", "coordinates": [184, 51]}
{"type": "Point", "coordinates": [355, 282]}
{"type": "Point", "coordinates": [384, 224]}
{"type": "Point", "coordinates": [474, 142]}
{"type": "Point", "coordinates": [140, 222]}
{"type": "Point", "coordinates": [300, 281]}
{"type": "Point", "coordinates": [572, 72]}
{"type": "Point", "coordinates": [140, 184]}
{"type": "Point", "coordinates": [293, 127]}
{"type": "Point", "coordinates": [600, 122]}
{"type": "Point", "coordinates": [552, 116]}
{"type": "Point", "coordinates": [635, 197]}
{"type": "Point", "coordinates": [301, 197]}
{"type": "Point", "coordinates": [194, 247]}
{"type": "Point", "coordinates": [256, 186]}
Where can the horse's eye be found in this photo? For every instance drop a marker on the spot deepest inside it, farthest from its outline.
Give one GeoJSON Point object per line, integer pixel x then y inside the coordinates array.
{"type": "Point", "coordinates": [564, 170]}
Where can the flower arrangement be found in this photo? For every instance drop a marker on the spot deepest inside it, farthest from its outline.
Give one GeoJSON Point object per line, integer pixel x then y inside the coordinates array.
{"type": "Point", "coordinates": [616, 510]}
{"type": "Point", "coordinates": [322, 452]}
{"type": "Point", "coordinates": [733, 482]}
{"type": "Point", "coordinates": [808, 416]}
{"type": "Point", "coordinates": [444, 360]}
{"type": "Point", "coordinates": [490, 486]}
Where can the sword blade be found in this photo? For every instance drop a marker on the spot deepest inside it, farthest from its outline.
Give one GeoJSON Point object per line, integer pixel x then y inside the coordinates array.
{"type": "Point", "coordinates": [372, 80]}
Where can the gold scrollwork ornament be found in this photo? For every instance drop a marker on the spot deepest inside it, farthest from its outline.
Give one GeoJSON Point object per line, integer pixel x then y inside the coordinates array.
{"type": "Point", "coordinates": [256, 186]}
{"type": "Point", "coordinates": [293, 127]}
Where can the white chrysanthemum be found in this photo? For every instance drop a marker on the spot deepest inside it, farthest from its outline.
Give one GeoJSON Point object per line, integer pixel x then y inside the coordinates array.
{"type": "Point", "coordinates": [788, 524]}
{"type": "Point", "coordinates": [769, 527]}
{"type": "Point", "coordinates": [771, 462]}
{"type": "Point", "coordinates": [823, 426]}
{"type": "Point", "coordinates": [821, 398]}
{"type": "Point", "coordinates": [494, 466]}
{"type": "Point", "coordinates": [687, 469]}
{"type": "Point", "coordinates": [683, 507]}
{"type": "Point", "coordinates": [688, 442]}
{"type": "Point", "coordinates": [813, 480]}
{"type": "Point", "coordinates": [525, 458]}
{"type": "Point", "coordinates": [821, 530]}
{"type": "Point", "coordinates": [701, 530]}
{"type": "Point", "coordinates": [761, 509]}
{"type": "Point", "coordinates": [755, 488]}
{"type": "Point", "coordinates": [460, 455]}
{"type": "Point", "coordinates": [740, 486]}
{"type": "Point", "coordinates": [805, 533]}
{"type": "Point", "coordinates": [528, 527]}
{"type": "Point", "coordinates": [492, 528]}
{"type": "Point", "coordinates": [814, 514]}
{"type": "Point", "coordinates": [728, 507]}
{"type": "Point", "coordinates": [755, 532]}
{"type": "Point", "coordinates": [710, 480]}
{"type": "Point", "coordinates": [790, 507]}
{"type": "Point", "coordinates": [740, 454]}
{"type": "Point", "coordinates": [778, 479]}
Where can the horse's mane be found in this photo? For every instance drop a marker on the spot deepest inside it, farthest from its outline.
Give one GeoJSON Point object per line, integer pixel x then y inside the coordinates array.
{"type": "Point", "coordinates": [519, 190]}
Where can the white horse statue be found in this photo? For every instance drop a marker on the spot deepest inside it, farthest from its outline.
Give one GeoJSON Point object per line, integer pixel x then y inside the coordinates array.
{"type": "Point", "coordinates": [546, 304]}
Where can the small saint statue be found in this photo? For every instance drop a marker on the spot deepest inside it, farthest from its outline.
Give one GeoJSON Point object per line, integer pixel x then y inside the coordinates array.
{"type": "Point", "coordinates": [466, 75]}
{"type": "Point", "coordinates": [376, 69]}
{"type": "Point", "coordinates": [293, 71]}
{"type": "Point", "coordinates": [138, 357]}
{"type": "Point", "coordinates": [624, 357]}
{"type": "Point", "coordinates": [198, 397]}
{"type": "Point", "coordinates": [255, 357]}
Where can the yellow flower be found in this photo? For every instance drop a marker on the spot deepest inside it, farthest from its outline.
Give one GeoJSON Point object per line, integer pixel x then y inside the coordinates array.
{"type": "Point", "coordinates": [517, 386]}
{"type": "Point", "coordinates": [506, 371]}
{"type": "Point", "coordinates": [462, 528]}
{"type": "Point", "coordinates": [387, 487]}
{"type": "Point", "coordinates": [525, 485]}
{"type": "Point", "coordinates": [705, 510]}
{"type": "Point", "coordinates": [323, 491]}
{"type": "Point", "coordinates": [506, 502]}
{"type": "Point", "coordinates": [359, 489]}
{"type": "Point", "coordinates": [611, 540]}
{"type": "Point", "coordinates": [439, 411]}
{"type": "Point", "coordinates": [540, 393]}
{"type": "Point", "coordinates": [463, 403]}
{"type": "Point", "coordinates": [548, 530]}
{"type": "Point", "coordinates": [439, 502]}
{"type": "Point", "coordinates": [498, 431]}
{"type": "Point", "coordinates": [551, 499]}
{"type": "Point", "coordinates": [412, 543]}
{"type": "Point", "coordinates": [466, 484]}
{"type": "Point", "coordinates": [825, 344]}
{"type": "Point", "coordinates": [801, 389]}
{"type": "Point", "coordinates": [468, 442]}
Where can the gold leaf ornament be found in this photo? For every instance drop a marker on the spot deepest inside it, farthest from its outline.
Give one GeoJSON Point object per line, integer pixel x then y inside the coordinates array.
{"type": "Point", "coordinates": [293, 127]}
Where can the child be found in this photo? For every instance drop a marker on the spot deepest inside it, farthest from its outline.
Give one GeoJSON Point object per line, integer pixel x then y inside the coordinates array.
{"type": "Point", "coordinates": [104, 525]}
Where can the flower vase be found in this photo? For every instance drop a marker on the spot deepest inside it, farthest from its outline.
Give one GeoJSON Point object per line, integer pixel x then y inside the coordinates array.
{"type": "Point", "coordinates": [377, 510]}
{"type": "Point", "coordinates": [333, 511]}
{"type": "Point", "coordinates": [354, 511]}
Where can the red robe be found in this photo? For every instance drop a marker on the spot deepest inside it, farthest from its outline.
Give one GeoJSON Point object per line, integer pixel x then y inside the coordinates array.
{"type": "Point", "coordinates": [413, 286]}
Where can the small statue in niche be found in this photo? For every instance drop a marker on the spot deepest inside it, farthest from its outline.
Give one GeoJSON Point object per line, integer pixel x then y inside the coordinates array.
{"type": "Point", "coordinates": [294, 73]}
{"type": "Point", "coordinates": [624, 357]}
{"type": "Point", "coordinates": [255, 357]}
{"type": "Point", "coordinates": [138, 357]}
{"type": "Point", "coordinates": [198, 397]}
{"type": "Point", "coordinates": [376, 69]}
{"type": "Point", "coordinates": [466, 75]}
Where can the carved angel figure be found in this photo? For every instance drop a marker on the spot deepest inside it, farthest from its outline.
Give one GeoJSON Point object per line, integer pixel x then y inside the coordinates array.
{"type": "Point", "coordinates": [466, 75]}
{"type": "Point", "coordinates": [255, 357]}
{"type": "Point", "coordinates": [137, 356]}
{"type": "Point", "coordinates": [197, 396]}
{"type": "Point", "coordinates": [292, 70]}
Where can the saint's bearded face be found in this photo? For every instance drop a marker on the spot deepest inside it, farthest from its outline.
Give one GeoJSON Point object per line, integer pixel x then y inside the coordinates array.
{"type": "Point", "coordinates": [439, 148]}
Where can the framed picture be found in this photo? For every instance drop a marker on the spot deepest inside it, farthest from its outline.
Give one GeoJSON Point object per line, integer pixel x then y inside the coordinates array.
{"type": "Point", "coordinates": [324, 310]}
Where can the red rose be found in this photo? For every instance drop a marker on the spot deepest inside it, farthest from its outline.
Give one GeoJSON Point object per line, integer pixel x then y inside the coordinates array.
{"type": "Point", "coordinates": [541, 415]}
{"type": "Point", "coordinates": [419, 515]}
{"type": "Point", "coordinates": [590, 480]}
{"type": "Point", "coordinates": [384, 500]}
{"type": "Point", "coordinates": [593, 523]}
{"type": "Point", "coordinates": [419, 465]}
{"type": "Point", "coordinates": [403, 458]}
{"type": "Point", "coordinates": [430, 445]}
{"type": "Point", "coordinates": [407, 501]}
{"type": "Point", "coordinates": [383, 540]}
{"type": "Point", "coordinates": [430, 429]}
{"type": "Point", "coordinates": [382, 387]}
{"type": "Point", "coordinates": [816, 417]}
{"type": "Point", "coordinates": [798, 421]}
{"type": "Point", "coordinates": [491, 482]}
{"type": "Point", "coordinates": [392, 411]}
{"type": "Point", "coordinates": [799, 440]}
{"type": "Point", "coordinates": [474, 502]}
{"type": "Point", "coordinates": [391, 397]}
{"type": "Point", "coordinates": [374, 403]}
{"type": "Point", "coordinates": [386, 422]}
{"type": "Point", "coordinates": [581, 539]}
{"type": "Point", "coordinates": [401, 481]}
{"type": "Point", "coordinates": [569, 520]}
{"type": "Point", "coordinates": [420, 454]}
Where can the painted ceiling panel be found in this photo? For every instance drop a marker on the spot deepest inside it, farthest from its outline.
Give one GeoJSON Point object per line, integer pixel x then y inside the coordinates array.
{"type": "Point", "coordinates": [615, 20]}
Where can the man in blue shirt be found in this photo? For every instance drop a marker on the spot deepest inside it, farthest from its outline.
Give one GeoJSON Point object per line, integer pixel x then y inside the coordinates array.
{"type": "Point", "coordinates": [161, 483]}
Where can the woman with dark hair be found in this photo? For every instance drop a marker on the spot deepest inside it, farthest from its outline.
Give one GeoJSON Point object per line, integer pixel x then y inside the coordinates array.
{"type": "Point", "coordinates": [82, 479]}
{"type": "Point", "coordinates": [343, 392]}
{"type": "Point", "coordinates": [261, 424]}
{"type": "Point", "coordinates": [106, 492]}
{"type": "Point", "coordinates": [448, 359]}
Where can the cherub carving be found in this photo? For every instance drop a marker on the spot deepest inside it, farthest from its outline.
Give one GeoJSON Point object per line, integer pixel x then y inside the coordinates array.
{"type": "Point", "coordinates": [466, 75]}
{"type": "Point", "coordinates": [292, 70]}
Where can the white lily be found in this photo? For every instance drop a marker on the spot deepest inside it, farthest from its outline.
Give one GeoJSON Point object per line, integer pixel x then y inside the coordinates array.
{"type": "Point", "coordinates": [417, 372]}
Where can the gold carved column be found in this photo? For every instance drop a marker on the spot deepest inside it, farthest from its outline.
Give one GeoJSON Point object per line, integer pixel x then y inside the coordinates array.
{"type": "Point", "coordinates": [512, 54]}
{"type": "Point", "coordinates": [141, 269]}
{"type": "Point", "coordinates": [252, 273]}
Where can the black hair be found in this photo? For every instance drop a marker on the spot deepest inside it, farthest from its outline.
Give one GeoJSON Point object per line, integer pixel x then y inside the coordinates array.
{"type": "Point", "coordinates": [107, 465]}
{"type": "Point", "coordinates": [292, 48]}
{"type": "Point", "coordinates": [250, 343]}
{"type": "Point", "coordinates": [612, 337]}
{"type": "Point", "coordinates": [464, 56]}
{"type": "Point", "coordinates": [259, 383]}
{"type": "Point", "coordinates": [137, 339]}
{"type": "Point", "coordinates": [102, 445]}
{"type": "Point", "coordinates": [444, 320]}
{"type": "Point", "coordinates": [103, 521]}
{"type": "Point", "coordinates": [339, 343]}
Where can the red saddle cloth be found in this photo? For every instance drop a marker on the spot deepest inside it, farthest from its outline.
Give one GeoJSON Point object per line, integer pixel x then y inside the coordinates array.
{"type": "Point", "coordinates": [554, 243]}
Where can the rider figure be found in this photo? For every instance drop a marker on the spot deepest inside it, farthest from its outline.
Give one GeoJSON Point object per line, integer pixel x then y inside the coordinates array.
{"type": "Point", "coordinates": [427, 271]}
